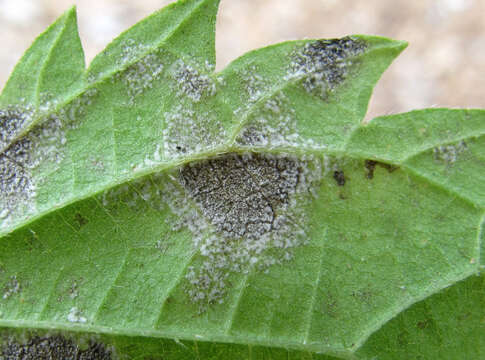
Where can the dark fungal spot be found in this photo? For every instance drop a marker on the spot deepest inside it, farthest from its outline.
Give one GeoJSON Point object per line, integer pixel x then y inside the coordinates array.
{"type": "Point", "coordinates": [16, 185]}
{"type": "Point", "coordinates": [324, 64]}
{"type": "Point", "coordinates": [12, 120]}
{"type": "Point", "coordinates": [52, 348]}
{"type": "Point", "coordinates": [370, 166]}
{"type": "Point", "coordinates": [240, 195]}
{"type": "Point", "coordinates": [192, 83]}
{"type": "Point", "coordinates": [249, 213]}
{"type": "Point", "coordinates": [81, 220]}
{"type": "Point", "coordinates": [339, 177]}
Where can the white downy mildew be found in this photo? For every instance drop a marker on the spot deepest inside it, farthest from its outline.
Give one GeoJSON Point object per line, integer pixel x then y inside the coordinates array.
{"type": "Point", "coordinates": [75, 316]}
{"type": "Point", "coordinates": [12, 287]}
{"type": "Point", "coordinates": [324, 64]}
{"type": "Point", "coordinates": [42, 146]}
{"type": "Point", "coordinates": [12, 121]}
{"type": "Point", "coordinates": [245, 211]}
{"type": "Point", "coordinates": [141, 75]}
{"type": "Point", "coordinates": [449, 153]}
{"type": "Point", "coordinates": [274, 125]}
{"type": "Point", "coordinates": [190, 82]}
{"type": "Point", "coordinates": [248, 213]}
{"type": "Point", "coordinates": [188, 131]}
{"type": "Point", "coordinates": [254, 83]}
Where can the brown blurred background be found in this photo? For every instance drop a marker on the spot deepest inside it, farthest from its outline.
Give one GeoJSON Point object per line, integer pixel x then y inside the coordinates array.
{"type": "Point", "coordinates": [444, 64]}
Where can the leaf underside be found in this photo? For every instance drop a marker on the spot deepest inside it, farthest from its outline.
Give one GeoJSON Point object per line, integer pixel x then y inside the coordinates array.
{"type": "Point", "coordinates": [152, 208]}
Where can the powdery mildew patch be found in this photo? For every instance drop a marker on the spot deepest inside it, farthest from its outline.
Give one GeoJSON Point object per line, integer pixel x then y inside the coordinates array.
{"type": "Point", "coordinates": [11, 287]}
{"type": "Point", "coordinates": [325, 64]}
{"type": "Point", "coordinates": [141, 75]}
{"type": "Point", "coordinates": [449, 153]}
{"type": "Point", "coordinates": [18, 186]}
{"type": "Point", "coordinates": [76, 316]}
{"type": "Point", "coordinates": [21, 156]}
{"type": "Point", "coordinates": [274, 125]}
{"type": "Point", "coordinates": [245, 211]}
{"type": "Point", "coordinates": [12, 121]}
{"type": "Point", "coordinates": [192, 83]}
{"type": "Point", "coordinates": [52, 347]}
{"type": "Point", "coordinates": [189, 131]}
{"type": "Point", "coordinates": [254, 83]}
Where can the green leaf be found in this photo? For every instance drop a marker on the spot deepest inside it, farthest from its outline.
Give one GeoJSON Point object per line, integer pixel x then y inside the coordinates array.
{"type": "Point", "coordinates": [48, 73]}
{"type": "Point", "coordinates": [162, 210]}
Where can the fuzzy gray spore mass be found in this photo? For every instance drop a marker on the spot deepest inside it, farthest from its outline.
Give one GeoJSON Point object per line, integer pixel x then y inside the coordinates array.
{"type": "Point", "coordinates": [325, 63]}
{"type": "Point", "coordinates": [240, 194]}
{"type": "Point", "coordinates": [192, 83]}
{"type": "Point", "coordinates": [52, 348]}
{"type": "Point", "coordinates": [15, 180]}
{"type": "Point", "coordinates": [11, 121]}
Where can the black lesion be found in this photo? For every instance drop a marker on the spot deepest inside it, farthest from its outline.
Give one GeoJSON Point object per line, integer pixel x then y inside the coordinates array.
{"type": "Point", "coordinates": [339, 177]}
{"type": "Point", "coordinates": [325, 63]}
{"type": "Point", "coordinates": [371, 165]}
{"type": "Point", "coordinates": [81, 220]}
{"type": "Point", "coordinates": [53, 348]}
{"type": "Point", "coordinates": [240, 195]}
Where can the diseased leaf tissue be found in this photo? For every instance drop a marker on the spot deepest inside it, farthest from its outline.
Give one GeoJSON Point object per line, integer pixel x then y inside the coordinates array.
{"type": "Point", "coordinates": [152, 208]}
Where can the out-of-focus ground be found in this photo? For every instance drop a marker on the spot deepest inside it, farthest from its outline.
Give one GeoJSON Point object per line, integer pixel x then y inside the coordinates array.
{"type": "Point", "coordinates": [444, 64]}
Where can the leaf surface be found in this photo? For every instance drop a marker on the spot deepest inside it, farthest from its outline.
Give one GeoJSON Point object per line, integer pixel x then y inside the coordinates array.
{"type": "Point", "coordinates": [180, 213]}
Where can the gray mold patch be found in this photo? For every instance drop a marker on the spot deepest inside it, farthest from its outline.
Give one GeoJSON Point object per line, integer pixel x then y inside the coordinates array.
{"type": "Point", "coordinates": [53, 348]}
{"type": "Point", "coordinates": [248, 213]}
{"type": "Point", "coordinates": [11, 287]}
{"type": "Point", "coordinates": [274, 125]}
{"type": "Point", "coordinates": [71, 113]}
{"type": "Point", "coordinates": [189, 131]}
{"type": "Point", "coordinates": [42, 145]}
{"type": "Point", "coordinates": [16, 185]}
{"type": "Point", "coordinates": [449, 153]}
{"type": "Point", "coordinates": [325, 64]}
{"type": "Point", "coordinates": [240, 195]}
{"type": "Point", "coordinates": [254, 83]}
{"type": "Point", "coordinates": [12, 121]}
{"type": "Point", "coordinates": [191, 82]}
{"type": "Point", "coordinates": [141, 75]}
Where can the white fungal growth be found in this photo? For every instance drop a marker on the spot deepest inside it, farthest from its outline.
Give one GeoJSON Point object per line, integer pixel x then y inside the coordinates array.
{"type": "Point", "coordinates": [74, 290]}
{"type": "Point", "coordinates": [449, 153]}
{"type": "Point", "coordinates": [12, 121]}
{"type": "Point", "coordinates": [16, 184]}
{"type": "Point", "coordinates": [12, 287]}
{"type": "Point", "coordinates": [254, 83]}
{"type": "Point", "coordinates": [42, 146]}
{"type": "Point", "coordinates": [274, 125]}
{"type": "Point", "coordinates": [141, 75]}
{"type": "Point", "coordinates": [325, 64]}
{"type": "Point", "coordinates": [188, 131]}
{"type": "Point", "coordinates": [245, 211]}
{"type": "Point", "coordinates": [75, 316]}
{"type": "Point", "coordinates": [131, 51]}
{"type": "Point", "coordinates": [191, 82]}
{"type": "Point", "coordinates": [248, 213]}
{"type": "Point", "coordinates": [139, 193]}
